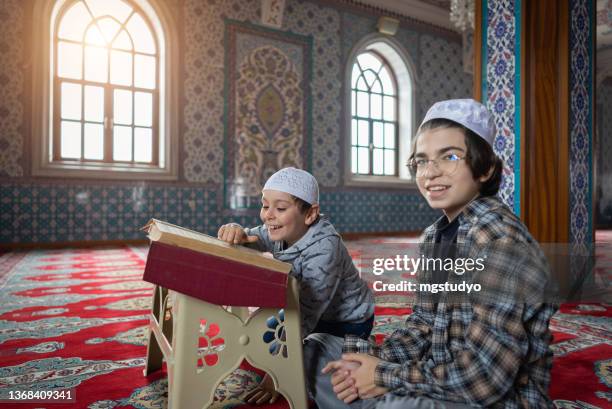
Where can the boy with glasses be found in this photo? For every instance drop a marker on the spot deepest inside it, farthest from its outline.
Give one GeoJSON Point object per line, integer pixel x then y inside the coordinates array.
{"type": "Point", "coordinates": [487, 350]}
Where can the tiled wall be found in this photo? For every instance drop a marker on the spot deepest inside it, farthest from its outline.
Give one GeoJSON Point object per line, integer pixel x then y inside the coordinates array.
{"type": "Point", "coordinates": [42, 213]}
{"type": "Point", "coordinates": [44, 210]}
{"type": "Point", "coordinates": [582, 29]}
{"type": "Point", "coordinates": [501, 88]}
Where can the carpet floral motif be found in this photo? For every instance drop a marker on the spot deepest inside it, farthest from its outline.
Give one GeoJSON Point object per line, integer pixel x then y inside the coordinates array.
{"type": "Point", "coordinates": [94, 342]}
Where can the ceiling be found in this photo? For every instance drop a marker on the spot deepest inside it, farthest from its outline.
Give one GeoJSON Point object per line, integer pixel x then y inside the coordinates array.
{"type": "Point", "coordinates": [437, 12]}
{"type": "Point", "coordinates": [445, 4]}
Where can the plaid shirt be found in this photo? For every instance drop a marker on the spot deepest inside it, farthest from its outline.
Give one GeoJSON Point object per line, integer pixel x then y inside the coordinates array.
{"type": "Point", "coordinates": [490, 351]}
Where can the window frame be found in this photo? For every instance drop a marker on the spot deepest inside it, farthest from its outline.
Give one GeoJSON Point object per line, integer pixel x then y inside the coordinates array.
{"type": "Point", "coordinates": [370, 120]}
{"type": "Point", "coordinates": [45, 102]}
{"type": "Point", "coordinates": [402, 69]}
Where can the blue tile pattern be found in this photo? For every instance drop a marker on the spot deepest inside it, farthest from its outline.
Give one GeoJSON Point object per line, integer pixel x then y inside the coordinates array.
{"type": "Point", "coordinates": [38, 213]}
{"type": "Point", "coordinates": [367, 212]}
{"type": "Point", "coordinates": [46, 213]}
{"type": "Point", "coordinates": [502, 89]}
{"type": "Point", "coordinates": [581, 114]}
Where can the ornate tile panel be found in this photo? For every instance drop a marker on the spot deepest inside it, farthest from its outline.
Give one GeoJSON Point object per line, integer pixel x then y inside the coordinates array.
{"type": "Point", "coordinates": [204, 120]}
{"type": "Point", "coordinates": [502, 90]}
{"type": "Point", "coordinates": [268, 108]}
{"type": "Point", "coordinates": [581, 114]}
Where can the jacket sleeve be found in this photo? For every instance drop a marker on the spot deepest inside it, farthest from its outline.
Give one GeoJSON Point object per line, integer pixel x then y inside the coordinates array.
{"type": "Point", "coordinates": [411, 341]}
{"type": "Point", "coordinates": [407, 343]}
{"type": "Point", "coordinates": [319, 276]}
{"type": "Point", "coordinates": [482, 372]}
{"type": "Point", "coordinates": [264, 243]}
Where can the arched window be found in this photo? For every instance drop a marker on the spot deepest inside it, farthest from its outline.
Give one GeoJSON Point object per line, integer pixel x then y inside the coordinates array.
{"type": "Point", "coordinates": [380, 102]}
{"type": "Point", "coordinates": [374, 133]}
{"type": "Point", "coordinates": [108, 84]}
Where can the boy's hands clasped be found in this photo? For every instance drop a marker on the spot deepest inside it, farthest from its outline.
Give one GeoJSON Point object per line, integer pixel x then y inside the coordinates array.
{"type": "Point", "coordinates": [234, 233]}
{"type": "Point", "coordinates": [353, 377]}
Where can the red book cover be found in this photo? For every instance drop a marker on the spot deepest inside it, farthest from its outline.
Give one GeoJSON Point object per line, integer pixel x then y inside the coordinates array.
{"type": "Point", "coordinates": [214, 279]}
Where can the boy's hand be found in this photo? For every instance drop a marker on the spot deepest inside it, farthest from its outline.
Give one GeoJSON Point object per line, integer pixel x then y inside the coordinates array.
{"type": "Point", "coordinates": [363, 376]}
{"type": "Point", "coordinates": [263, 393]}
{"type": "Point", "coordinates": [233, 233]}
{"type": "Point", "coordinates": [343, 384]}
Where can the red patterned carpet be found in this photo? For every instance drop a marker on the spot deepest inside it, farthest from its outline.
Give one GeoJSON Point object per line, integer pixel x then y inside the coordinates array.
{"type": "Point", "coordinates": [74, 320]}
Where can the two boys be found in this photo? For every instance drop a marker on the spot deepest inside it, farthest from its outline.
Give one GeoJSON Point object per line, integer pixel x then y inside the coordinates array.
{"type": "Point", "coordinates": [490, 351]}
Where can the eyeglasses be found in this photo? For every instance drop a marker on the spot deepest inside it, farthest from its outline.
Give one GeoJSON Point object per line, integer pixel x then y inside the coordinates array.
{"type": "Point", "coordinates": [447, 164]}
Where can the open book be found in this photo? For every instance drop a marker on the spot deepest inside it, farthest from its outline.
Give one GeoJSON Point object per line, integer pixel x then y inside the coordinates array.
{"type": "Point", "coordinates": [167, 233]}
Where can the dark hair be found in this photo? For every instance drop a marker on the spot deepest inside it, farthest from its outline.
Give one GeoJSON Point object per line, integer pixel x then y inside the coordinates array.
{"type": "Point", "coordinates": [480, 156]}
{"type": "Point", "coordinates": [302, 205]}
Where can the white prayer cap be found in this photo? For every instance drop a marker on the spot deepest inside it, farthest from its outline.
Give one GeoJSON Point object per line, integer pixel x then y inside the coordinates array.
{"type": "Point", "coordinates": [296, 182]}
{"type": "Point", "coordinates": [467, 112]}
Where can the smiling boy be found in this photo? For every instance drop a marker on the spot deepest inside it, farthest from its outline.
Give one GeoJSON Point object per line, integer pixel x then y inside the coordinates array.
{"type": "Point", "coordinates": [333, 297]}
{"type": "Point", "coordinates": [481, 351]}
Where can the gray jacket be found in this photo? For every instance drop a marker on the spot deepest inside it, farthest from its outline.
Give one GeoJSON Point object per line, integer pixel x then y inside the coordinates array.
{"type": "Point", "coordinates": [330, 287]}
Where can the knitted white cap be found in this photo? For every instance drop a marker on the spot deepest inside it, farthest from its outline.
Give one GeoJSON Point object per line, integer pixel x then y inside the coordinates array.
{"type": "Point", "coordinates": [467, 112]}
{"type": "Point", "coordinates": [296, 182]}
